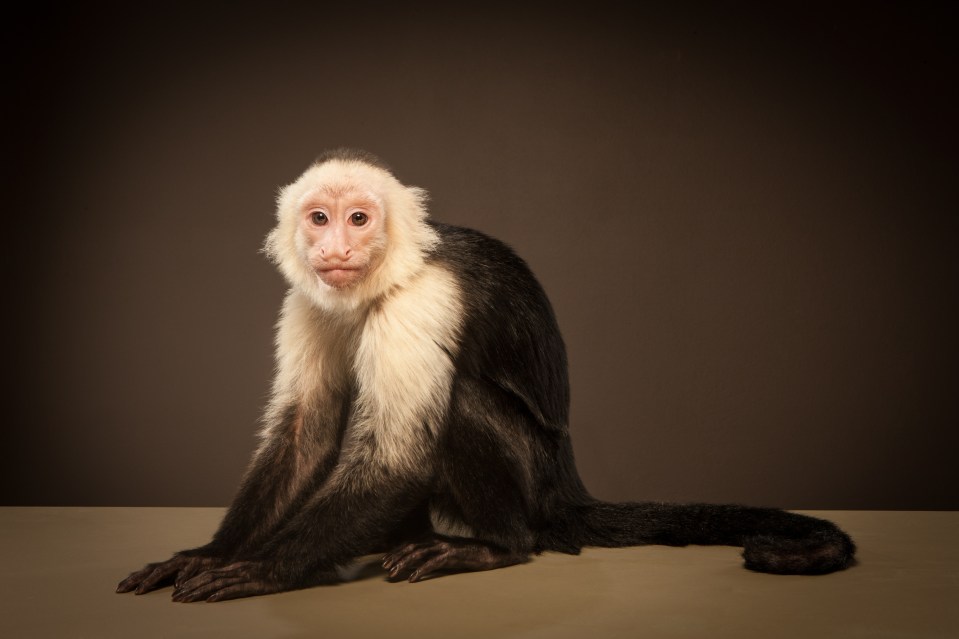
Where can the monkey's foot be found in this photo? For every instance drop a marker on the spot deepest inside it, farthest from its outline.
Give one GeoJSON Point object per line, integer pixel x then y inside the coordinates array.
{"type": "Point", "coordinates": [176, 570]}
{"type": "Point", "coordinates": [442, 554]}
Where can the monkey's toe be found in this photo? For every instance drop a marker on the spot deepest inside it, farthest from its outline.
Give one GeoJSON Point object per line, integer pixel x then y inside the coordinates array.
{"type": "Point", "coordinates": [416, 562]}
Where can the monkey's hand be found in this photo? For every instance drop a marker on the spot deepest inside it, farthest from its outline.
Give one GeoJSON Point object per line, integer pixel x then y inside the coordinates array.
{"type": "Point", "coordinates": [246, 579]}
{"type": "Point", "coordinates": [444, 554]}
{"type": "Point", "coordinates": [238, 579]}
{"type": "Point", "coordinates": [181, 567]}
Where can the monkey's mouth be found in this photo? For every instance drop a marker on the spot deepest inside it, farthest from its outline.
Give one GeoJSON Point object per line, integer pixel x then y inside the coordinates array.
{"type": "Point", "coordinates": [337, 269]}
{"type": "Point", "coordinates": [339, 276]}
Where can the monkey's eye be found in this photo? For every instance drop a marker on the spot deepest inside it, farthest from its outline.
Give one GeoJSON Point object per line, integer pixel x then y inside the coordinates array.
{"type": "Point", "coordinates": [359, 219]}
{"type": "Point", "coordinates": [319, 218]}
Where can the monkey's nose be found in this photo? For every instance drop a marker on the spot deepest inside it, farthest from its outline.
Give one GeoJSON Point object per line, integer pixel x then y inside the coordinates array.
{"type": "Point", "coordinates": [336, 252]}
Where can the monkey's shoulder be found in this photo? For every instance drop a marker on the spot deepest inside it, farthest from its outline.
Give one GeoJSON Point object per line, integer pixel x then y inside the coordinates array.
{"type": "Point", "coordinates": [466, 239]}
{"type": "Point", "coordinates": [483, 261]}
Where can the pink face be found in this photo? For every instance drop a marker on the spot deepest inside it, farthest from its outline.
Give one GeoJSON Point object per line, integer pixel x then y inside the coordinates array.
{"type": "Point", "coordinates": [344, 232]}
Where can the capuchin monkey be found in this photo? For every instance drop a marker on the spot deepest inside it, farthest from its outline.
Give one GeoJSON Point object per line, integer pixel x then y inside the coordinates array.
{"type": "Point", "coordinates": [420, 408]}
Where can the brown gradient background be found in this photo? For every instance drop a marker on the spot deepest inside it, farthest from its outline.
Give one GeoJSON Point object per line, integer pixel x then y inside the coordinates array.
{"type": "Point", "coordinates": [745, 219]}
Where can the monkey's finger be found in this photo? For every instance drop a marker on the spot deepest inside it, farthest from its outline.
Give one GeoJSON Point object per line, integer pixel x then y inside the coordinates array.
{"type": "Point", "coordinates": [191, 570]}
{"type": "Point", "coordinates": [152, 581]}
{"type": "Point", "coordinates": [204, 591]}
{"type": "Point", "coordinates": [237, 591]}
{"type": "Point", "coordinates": [399, 561]}
{"type": "Point", "coordinates": [199, 581]}
{"type": "Point", "coordinates": [160, 576]}
{"type": "Point", "coordinates": [134, 579]}
{"type": "Point", "coordinates": [184, 576]}
{"type": "Point", "coordinates": [234, 570]}
{"type": "Point", "coordinates": [397, 552]}
{"type": "Point", "coordinates": [411, 560]}
{"type": "Point", "coordinates": [431, 565]}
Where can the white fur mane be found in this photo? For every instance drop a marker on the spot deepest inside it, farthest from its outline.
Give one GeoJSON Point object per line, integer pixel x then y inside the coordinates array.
{"type": "Point", "coordinates": [390, 336]}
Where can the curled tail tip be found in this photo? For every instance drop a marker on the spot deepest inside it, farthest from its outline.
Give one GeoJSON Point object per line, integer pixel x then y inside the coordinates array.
{"type": "Point", "coordinates": [818, 554]}
{"type": "Point", "coordinates": [774, 541]}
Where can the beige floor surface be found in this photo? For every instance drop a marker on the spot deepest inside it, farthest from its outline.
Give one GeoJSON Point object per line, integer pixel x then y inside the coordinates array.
{"type": "Point", "coordinates": [61, 565]}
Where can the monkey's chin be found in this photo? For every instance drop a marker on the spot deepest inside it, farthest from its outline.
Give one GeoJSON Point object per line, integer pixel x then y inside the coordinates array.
{"type": "Point", "coordinates": [340, 278]}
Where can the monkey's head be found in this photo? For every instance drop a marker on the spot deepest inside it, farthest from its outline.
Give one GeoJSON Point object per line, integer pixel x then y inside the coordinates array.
{"type": "Point", "coordinates": [348, 231]}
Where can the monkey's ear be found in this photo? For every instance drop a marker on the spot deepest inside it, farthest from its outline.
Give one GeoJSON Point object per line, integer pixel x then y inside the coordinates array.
{"type": "Point", "coordinates": [270, 246]}
{"type": "Point", "coordinates": [273, 245]}
{"type": "Point", "coordinates": [421, 197]}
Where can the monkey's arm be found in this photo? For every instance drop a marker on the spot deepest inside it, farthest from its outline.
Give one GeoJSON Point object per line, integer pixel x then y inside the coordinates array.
{"type": "Point", "coordinates": [488, 467]}
{"type": "Point", "coordinates": [258, 508]}
{"type": "Point", "coordinates": [401, 368]}
{"type": "Point", "coordinates": [354, 513]}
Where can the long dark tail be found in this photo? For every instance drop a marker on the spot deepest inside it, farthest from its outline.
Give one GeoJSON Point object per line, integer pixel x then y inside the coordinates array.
{"type": "Point", "coordinates": [773, 540]}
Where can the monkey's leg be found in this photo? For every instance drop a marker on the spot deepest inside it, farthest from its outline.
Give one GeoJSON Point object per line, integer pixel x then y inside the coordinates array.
{"type": "Point", "coordinates": [484, 477]}
{"type": "Point", "coordinates": [446, 554]}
